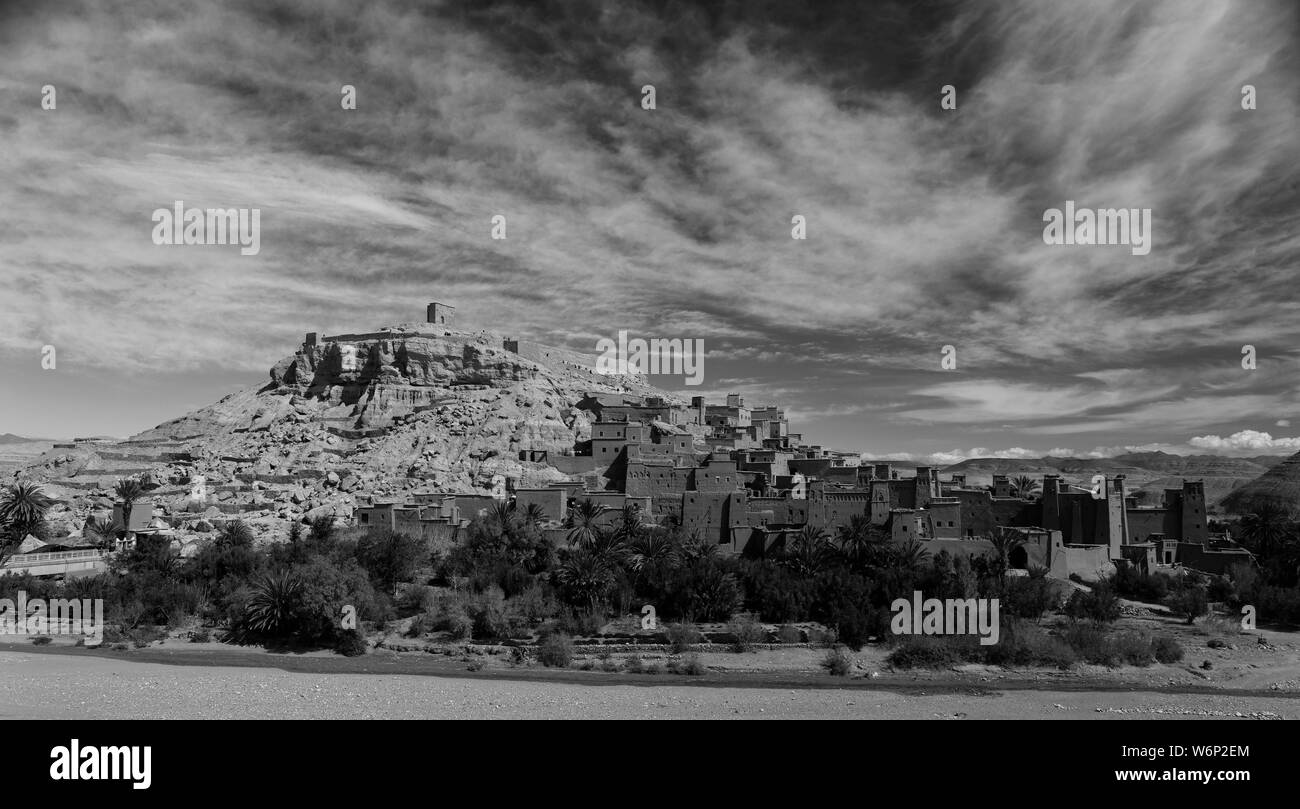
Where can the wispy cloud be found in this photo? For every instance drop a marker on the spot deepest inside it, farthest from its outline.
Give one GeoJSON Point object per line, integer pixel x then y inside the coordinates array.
{"type": "Point", "coordinates": [924, 225]}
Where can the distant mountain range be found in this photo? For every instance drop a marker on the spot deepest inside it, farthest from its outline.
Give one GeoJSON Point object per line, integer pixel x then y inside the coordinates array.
{"type": "Point", "coordinates": [10, 438]}
{"type": "Point", "coordinates": [1147, 474]}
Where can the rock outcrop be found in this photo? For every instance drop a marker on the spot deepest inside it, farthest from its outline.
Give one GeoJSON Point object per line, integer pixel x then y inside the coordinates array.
{"type": "Point", "coordinates": [405, 408]}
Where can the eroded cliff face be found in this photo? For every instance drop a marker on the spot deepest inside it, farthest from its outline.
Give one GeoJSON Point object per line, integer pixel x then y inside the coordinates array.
{"type": "Point", "coordinates": [405, 410]}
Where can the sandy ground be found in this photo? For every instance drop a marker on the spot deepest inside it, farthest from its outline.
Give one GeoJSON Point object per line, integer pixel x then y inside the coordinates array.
{"type": "Point", "coordinates": [43, 686]}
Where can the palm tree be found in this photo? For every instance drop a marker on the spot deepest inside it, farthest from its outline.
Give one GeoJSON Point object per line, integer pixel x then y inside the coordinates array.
{"type": "Point", "coordinates": [1005, 540]}
{"type": "Point", "coordinates": [1025, 485]}
{"type": "Point", "coordinates": [102, 532]}
{"type": "Point", "coordinates": [807, 554]}
{"type": "Point", "coordinates": [502, 519]}
{"type": "Point", "coordinates": [585, 573]}
{"type": "Point", "coordinates": [236, 533]}
{"type": "Point", "coordinates": [857, 539]}
{"type": "Point", "coordinates": [911, 555]}
{"type": "Point", "coordinates": [611, 545]}
{"type": "Point", "coordinates": [534, 515]}
{"type": "Point", "coordinates": [272, 608]}
{"type": "Point", "coordinates": [695, 548]}
{"type": "Point", "coordinates": [1266, 527]}
{"type": "Point", "coordinates": [129, 490]}
{"type": "Point", "coordinates": [652, 548]}
{"type": "Point", "coordinates": [629, 521]}
{"type": "Point", "coordinates": [22, 508]}
{"type": "Point", "coordinates": [582, 521]}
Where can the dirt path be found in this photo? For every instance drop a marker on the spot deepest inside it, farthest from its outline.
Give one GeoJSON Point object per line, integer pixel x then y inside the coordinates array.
{"type": "Point", "coordinates": [52, 686]}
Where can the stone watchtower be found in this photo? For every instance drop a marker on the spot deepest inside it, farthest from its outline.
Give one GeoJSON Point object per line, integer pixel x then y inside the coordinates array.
{"type": "Point", "coordinates": [441, 314]}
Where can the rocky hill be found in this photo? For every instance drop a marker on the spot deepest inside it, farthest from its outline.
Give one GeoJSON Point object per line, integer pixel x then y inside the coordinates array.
{"type": "Point", "coordinates": [1279, 486]}
{"type": "Point", "coordinates": [416, 407]}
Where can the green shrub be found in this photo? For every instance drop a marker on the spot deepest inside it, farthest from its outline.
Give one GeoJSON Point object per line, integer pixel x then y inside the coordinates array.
{"type": "Point", "coordinates": [746, 632]}
{"type": "Point", "coordinates": [854, 625]}
{"type": "Point", "coordinates": [1188, 602]}
{"type": "Point", "coordinates": [452, 617]}
{"type": "Point", "coordinates": [691, 665]}
{"type": "Point", "coordinates": [1166, 649]}
{"type": "Point", "coordinates": [520, 656]}
{"type": "Point", "coordinates": [556, 650]}
{"type": "Point", "coordinates": [1021, 643]}
{"type": "Point", "coordinates": [1130, 582]}
{"type": "Point", "coordinates": [142, 636]}
{"type": "Point", "coordinates": [1090, 644]}
{"type": "Point", "coordinates": [924, 652]}
{"type": "Point", "coordinates": [1134, 648]}
{"type": "Point", "coordinates": [837, 662]}
{"type": "Point", "coordinates": [1100, 606]}
{"type": "Point", "coordinates": [350, 643]}
{"type": "Point", "coordinates": [201, 635]}
{"type": "Point", "coordinates": [823, 636]}
{"type": "Point", "coordinates": [1028, 597]}
{"type": "Point", "coordinates": [633, 665]}
{"type": "Point", "coordinates": [42, 640]}
{"type": "Point", "coordinates": [578, 623]}
{"type": "Point", "coordinates": [682, 636]}
{"type": "Point", "coordinates": [652, 668]}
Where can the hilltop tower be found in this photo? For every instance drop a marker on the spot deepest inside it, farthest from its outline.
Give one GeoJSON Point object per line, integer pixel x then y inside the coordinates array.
{"type": "Point", "coordinates": [441, 314]}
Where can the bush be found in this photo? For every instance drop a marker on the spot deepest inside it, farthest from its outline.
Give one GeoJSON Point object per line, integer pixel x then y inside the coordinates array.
{"type": "Point", "coordinates": [823, 636]}
{"type": "Point", "coordinates": [925, 652]}
{"type": "Point", "coordinates": [855, 625]}
{"type": "Point", "coordinates": [142, 636]}
{"type": "Point", "coordinates": [1021, 643]}
{"type": "Point", "coordinates": [579, 623]}
{"type": "Point", "coordinates": [1131, 582]}
{"type": "Point", "coordinates": [690, 664]}
{"type": "Point", "coordinates": [789, 634]}
{"type": "Point", "coordinates": [1028, 597]}
{"type": "Point", "coordinates": [556, 650]}
{"type": "Point", "coordinates": [837, 662]}
{"type": "Point", "coordinates": [452, 617]}
{"type": "Point", "coordinates": [1089, 643]}
{"type": "Point", "coordinates": [633, 665]}
{"type": "Point", "coordinates": [1166, 649]}
{"type": "Point", "coordinates": [682, 636]}
{"type": "Point", "coordinates": [42, 640]}
{"type": "Point", "coordinates": [350, 643]}
{"type": "Point", "coordinates": [1188, 602]}
{"type": "Point", "coordinates": [746, 632]}
{"type": "Point", "coordinates": [1100, 606]}
{"type": "Point", "coordinates": [201, 635]}
{"type": "Point", "coordinates": [652, 668]}
{"type": "Point", "coordinates": [1134, 648]}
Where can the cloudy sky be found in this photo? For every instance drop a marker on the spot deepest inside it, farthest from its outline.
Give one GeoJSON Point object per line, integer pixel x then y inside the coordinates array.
{"type": "Point", "coordinates": [924, 225]}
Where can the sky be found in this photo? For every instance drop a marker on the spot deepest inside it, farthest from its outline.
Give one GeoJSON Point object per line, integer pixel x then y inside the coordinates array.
{"type": "Point", "coordinates": [924, 225]}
